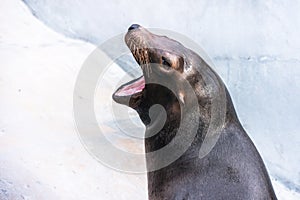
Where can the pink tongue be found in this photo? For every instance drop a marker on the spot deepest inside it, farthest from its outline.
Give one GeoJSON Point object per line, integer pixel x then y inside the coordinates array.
{"type": "Point", "coordinates": [133, 88]}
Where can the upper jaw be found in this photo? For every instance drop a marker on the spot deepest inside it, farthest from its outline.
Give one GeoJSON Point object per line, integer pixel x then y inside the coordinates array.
{"type": "Point", "coordinates": [131, 93]}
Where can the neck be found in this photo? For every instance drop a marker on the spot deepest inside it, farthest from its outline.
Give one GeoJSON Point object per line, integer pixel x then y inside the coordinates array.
{"type": "Point", "coordinates": [170, 132]}
{"type": "Point", "coordinates": [171, 128]}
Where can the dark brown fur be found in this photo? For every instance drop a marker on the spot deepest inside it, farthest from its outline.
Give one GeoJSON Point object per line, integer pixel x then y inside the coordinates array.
{"type": "Point", "coordinates": [233, 169]}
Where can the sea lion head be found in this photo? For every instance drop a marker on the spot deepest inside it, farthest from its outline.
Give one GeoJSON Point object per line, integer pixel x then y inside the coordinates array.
{"type": "Point", "coordinates": [167, 62]}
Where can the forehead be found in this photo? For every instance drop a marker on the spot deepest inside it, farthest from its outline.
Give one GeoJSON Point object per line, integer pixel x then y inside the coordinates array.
{"type": "Point", "coordinates": [165, 41]}
{"type": "Point", "coordinates": [164, 44]}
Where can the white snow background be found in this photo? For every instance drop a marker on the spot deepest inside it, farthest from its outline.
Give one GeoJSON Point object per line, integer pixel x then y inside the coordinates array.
{"type": "Point", "coordinates": [255, 46]}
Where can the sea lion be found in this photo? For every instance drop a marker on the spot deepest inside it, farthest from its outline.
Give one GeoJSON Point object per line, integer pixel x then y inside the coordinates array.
{"type": "Point", "coordinates": [233, 169]}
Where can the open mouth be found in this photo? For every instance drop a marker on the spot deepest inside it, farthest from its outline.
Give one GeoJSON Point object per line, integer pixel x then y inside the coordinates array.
{"type": "Point", "coordinates": [131, 88]}
{"type": "Point", "coordinates": [130, 93]}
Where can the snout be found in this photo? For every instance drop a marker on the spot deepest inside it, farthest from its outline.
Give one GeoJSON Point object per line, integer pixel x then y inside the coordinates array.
{"type": "Point", "coordinates": [133, 26]}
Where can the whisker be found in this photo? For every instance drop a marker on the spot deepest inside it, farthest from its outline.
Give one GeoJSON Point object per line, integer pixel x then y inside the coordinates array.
{"type": "Point", "coordinates": [138, 48]}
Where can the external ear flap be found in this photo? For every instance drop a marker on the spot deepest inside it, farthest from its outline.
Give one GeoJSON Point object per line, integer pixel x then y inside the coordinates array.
{"type": "Point", "coordinates": [180, 64]}
{"type": "Point", "coordinates": [181, 97]}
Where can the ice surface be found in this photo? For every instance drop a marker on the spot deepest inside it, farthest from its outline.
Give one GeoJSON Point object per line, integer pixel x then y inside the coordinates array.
{"type": "Point", "coordinates": [254, 45]}
{"type": "Point", "coordinates": [41, 156]}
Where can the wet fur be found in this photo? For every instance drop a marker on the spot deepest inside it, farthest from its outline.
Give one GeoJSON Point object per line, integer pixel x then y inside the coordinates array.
{"type": "Point", "coordinates": [233, 170]}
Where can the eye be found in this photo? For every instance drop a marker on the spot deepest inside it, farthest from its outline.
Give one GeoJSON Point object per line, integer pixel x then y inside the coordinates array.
{"type": "Point", "coordinates": [165, 62]}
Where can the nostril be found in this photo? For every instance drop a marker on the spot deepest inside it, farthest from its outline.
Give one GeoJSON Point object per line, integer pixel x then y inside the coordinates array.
{"type": "Point", "coordinates": [133, 26]}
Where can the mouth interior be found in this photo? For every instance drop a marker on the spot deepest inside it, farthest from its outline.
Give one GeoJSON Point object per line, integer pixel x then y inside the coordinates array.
{"type": "Point", "coordinates": [132, 88]}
